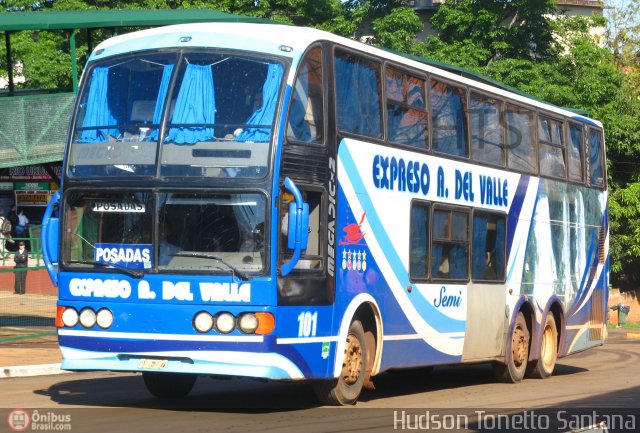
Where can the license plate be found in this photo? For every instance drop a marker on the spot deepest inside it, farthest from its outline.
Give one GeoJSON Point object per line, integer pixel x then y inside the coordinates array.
{"type": "Point", "coordinates": [152, 364]}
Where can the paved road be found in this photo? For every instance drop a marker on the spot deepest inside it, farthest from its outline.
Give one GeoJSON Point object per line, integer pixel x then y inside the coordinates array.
{"type": "Point", "coordinates": [598, 379]}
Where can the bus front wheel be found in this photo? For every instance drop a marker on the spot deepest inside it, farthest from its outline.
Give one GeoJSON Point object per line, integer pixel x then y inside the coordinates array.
{"type": "Point", "coordinates": [346, 388]}
{"type": "Point", "coordinates": [169, 385]}
{"type": "Point", "coordinates": [543, 367]}
{"type": "Point", "coordinates": [515, 363]}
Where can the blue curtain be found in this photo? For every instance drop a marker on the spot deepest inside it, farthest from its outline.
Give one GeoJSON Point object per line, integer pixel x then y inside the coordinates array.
{"type": "Point", "coordinates": [162, 95]}
{"type": "Point", "coordinates": [264, 114]}
{"type": "Point", "coordinates": [195, 104]}
{"type": "Point", "coordinates": [97, 112]}
{"type": "Point", "coordinates": [478, 253]}
{"type": "Point", "coordinates": [458, 262]}
{"type": "Point", "coordinates": [299, 127]}
{"type": "Point", "coordinates": [358, 98]}
{"type": "Point", "coordinates": [500, 258]}
{"type": "Point", "coordinates": [595, 160]}
{"type": "Point", "coordinates": [448, 119]}
{"type": "Point", "coordinates": [436, 260]}
{"type": "Point", "coordinates": [419, 241]}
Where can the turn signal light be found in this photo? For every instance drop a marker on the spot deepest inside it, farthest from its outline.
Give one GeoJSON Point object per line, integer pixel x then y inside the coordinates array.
{"type": "Point", "coordinates": [266, 323]}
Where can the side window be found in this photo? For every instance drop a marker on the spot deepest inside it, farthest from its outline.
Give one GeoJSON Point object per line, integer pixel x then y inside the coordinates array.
{"type": "Point", "coordinates": [306, 113]}
{"type": "Point", "coordinates": [312, 257]}
{"type": "Point", "coordinates": [419, 241]}
{"type": "Point", "coordinates": [488, 247]}
{"type": "Point", "coordinates": [521, 148]}
{"type": "Point", "coordinates": [575, 153]}
{"type": "Point", "coordinates": [596, 163]}
{"type": "Point", "coordinates": [406, 109]}
{"type": "Point", "coordinates": [450, 245]}
{"type": "Point", "coordinates": [485, 114]}
{"type": "Point", "coordinates": [551, 148]}
{"type": "Point", "coordinates": [358, 95]}
{"type": "Point", "coordinates": [448, 118]}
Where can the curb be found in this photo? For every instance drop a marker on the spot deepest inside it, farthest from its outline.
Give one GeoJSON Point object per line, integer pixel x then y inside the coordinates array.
{"type": "Point", "coordinates": [31, 370]}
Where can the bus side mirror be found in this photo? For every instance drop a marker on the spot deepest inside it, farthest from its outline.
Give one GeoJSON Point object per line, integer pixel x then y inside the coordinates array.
{"type": "Point", "coordinates": [298, 226]}
{"type": "Point", "coordinates": [50, 238]}
{"type": "Point", "coordinates": [298, 234]}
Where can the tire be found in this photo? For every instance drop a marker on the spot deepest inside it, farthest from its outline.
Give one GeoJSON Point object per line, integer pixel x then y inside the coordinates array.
{"type": "Point", "coordinates": [515, 364]}
{"type": "Point", "coordinates": [347, 387]}
{"type": "Point", "coordinates": [169, 385]}
{"type": "Point", "coordinates": [543, 367]}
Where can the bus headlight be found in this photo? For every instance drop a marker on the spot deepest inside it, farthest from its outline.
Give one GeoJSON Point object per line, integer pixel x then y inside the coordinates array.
{"type": "Point", "coordinates": [87, 317]}
{"type": "Point", "coordinates": [69, 317]}
{"type": "Point", "coordinates": [225, 322]}
{"type": "Point", "coordinates": [203, 322]}
{"type": "Point", "coordinates": [248, 323]}
{"type": "Point", "coordinates": [104, 318]}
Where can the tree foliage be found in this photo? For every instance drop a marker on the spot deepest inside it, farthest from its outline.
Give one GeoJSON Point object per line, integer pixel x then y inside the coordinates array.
{"type": "Point", "coordinates": [502, 29]}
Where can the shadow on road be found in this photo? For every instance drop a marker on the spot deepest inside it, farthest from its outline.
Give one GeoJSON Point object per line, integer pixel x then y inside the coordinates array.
{"type": "Point", "coordinates": [241, 394]}
{"type": "Point", "coordinates": [25, 320]}
{"type": "Point", "coordinates": [235, 394]}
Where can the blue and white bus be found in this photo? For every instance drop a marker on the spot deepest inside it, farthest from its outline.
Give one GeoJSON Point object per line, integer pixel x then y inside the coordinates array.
{"type": "Point", "coordinates": [267, 201]}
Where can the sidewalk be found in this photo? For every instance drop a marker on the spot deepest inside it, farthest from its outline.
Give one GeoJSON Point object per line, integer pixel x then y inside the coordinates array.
{"type": "Point", "coordinates": [28, 342]}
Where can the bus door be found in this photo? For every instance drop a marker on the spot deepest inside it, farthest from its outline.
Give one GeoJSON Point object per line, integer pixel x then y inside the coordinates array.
{"type": "Point", "coordinates": [305, 161]}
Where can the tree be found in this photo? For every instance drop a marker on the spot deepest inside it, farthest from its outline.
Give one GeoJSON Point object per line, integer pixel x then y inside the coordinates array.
{"type": "Point", "coordinates": [623, 30]}
{"type": "Point", "coordinates": [515, 29]}
{"type": "Point", "coordinates": [44, 56]}
{"type": "Point", "coordinates": [397, 30]}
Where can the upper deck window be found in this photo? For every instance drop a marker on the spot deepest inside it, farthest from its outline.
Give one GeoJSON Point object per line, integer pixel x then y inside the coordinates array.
{"type": "Point", "coordinates": [406, 109]}
{"type": "Point", "coordinates": [213, 111]}
{"type": "Point", "coordinates": [119, 111]}
{"type": "Point", "coordinates": [552, 149]}
{"type": "Point", "coordinates": [358, 95]}
{"type": "Point", "coordinates": [485, 116]}
{"type": "Point", "coordinates": [576, 151]}
{"type": "Point", "coordinates": [449, 118]}
{"type": "Point", "coordinates": [596, 159]}
{"type": "Point", "coordinates": [306, 113]}
{"type": "Point", "coordinates": [221, 115]}
{"type": "Point", "coordinates": [522, 153]}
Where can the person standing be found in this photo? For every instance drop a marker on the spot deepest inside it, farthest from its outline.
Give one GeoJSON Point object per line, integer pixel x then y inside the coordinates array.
{"type": "Point", "coordinates": [21, 258]}
{"type": "Point", "coordinates": [21, 230]}
{"type": "Point", "coordinates": [13, 219]}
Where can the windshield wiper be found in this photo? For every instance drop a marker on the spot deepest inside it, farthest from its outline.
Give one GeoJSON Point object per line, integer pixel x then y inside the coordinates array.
{"type": "Point", "coordinates": [130, 272]}
{"type": "Point", "coordinates": [233, 269]}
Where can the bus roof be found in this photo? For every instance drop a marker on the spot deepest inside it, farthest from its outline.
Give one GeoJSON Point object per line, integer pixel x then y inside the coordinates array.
{"type": "Point", "coordinates": [271, 38]}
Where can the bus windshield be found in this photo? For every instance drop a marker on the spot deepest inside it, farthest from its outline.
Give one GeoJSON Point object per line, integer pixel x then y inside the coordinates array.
{"type": "Point", "coordinates": [200, 232]}
{"type": "Point", "coordinates": [199, 114]}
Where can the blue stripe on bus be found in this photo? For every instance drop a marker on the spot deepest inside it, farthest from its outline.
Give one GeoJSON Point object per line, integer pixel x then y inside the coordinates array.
{"type": "Point", "coordinates": [514, 212]}
{"type": "Point", "coordinates": [439, 321]}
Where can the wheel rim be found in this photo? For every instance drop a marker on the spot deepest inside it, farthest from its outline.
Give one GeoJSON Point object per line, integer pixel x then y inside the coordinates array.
{"type": "Point", "coordinates": [519, 346]}
{"type": "Point", "coordinates": [547, 346]}
{"type": "Point", "coordinates": [352, 364]}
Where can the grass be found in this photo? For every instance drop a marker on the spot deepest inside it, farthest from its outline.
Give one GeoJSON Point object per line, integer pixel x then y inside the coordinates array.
{"type": "Point", "coordinates": [628, 325]}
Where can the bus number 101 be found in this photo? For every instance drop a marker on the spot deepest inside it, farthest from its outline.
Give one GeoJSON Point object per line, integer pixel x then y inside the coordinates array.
{"type": "Point", "coordinates": [307, 324]}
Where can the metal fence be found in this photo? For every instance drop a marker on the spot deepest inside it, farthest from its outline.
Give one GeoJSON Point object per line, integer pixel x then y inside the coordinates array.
{"type": "Point", "coordinates": [33, 128]}
{"type": "Point", "coordinates": [31, 315]}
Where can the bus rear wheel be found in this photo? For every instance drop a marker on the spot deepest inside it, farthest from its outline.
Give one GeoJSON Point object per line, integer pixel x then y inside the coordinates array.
{"type": "Point", "coordinates": [515, 364]}
{"type": "Point", "coordinates": [347, 387]}
{"type": "Point", "coordinates": [169, 385]}
{"type": "Point", "coordinates": [543, 367]}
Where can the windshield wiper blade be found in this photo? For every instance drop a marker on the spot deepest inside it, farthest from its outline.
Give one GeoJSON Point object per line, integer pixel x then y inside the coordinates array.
{"type": "Point", "coordinates": [233, 269]}
{"type": "Point", "coordinates": [130, 272]}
